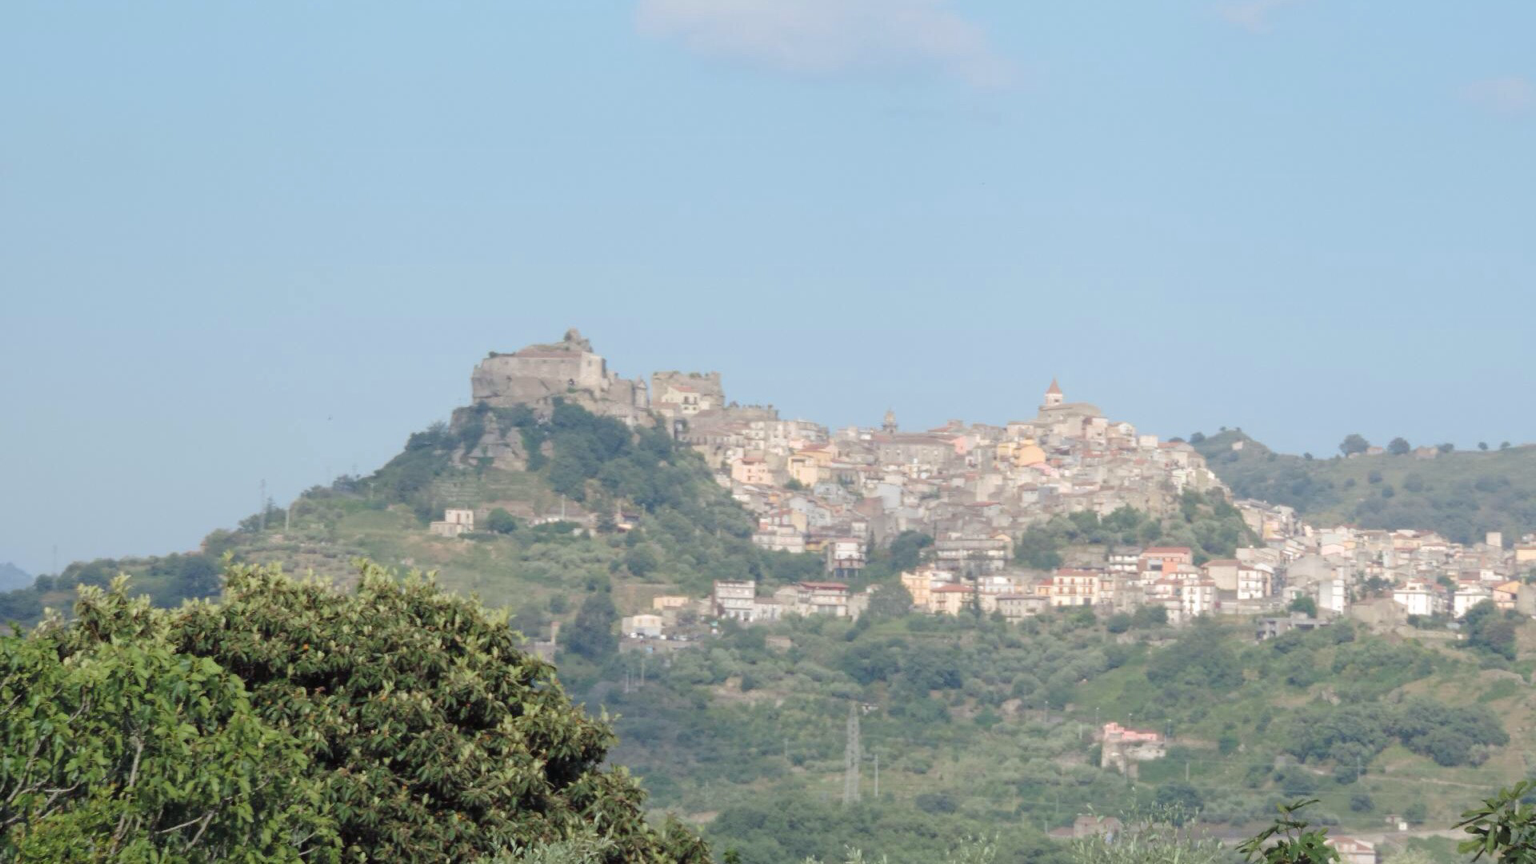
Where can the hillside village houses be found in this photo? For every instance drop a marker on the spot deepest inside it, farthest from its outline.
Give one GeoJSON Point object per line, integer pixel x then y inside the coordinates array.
{"type": "Point", "coordinates": [975, 487]}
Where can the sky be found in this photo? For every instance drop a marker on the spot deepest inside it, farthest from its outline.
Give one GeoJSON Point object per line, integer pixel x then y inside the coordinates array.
{"type": "Point", "coordinates": [247, 243]}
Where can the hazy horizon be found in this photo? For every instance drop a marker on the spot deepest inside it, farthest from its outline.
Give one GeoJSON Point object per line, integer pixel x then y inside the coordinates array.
{"type": "Point", "coordinates": [1305, 219]}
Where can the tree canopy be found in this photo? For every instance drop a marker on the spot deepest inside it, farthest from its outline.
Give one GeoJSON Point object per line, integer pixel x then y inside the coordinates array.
{"type": "Point", "coordinates": [393, 723]}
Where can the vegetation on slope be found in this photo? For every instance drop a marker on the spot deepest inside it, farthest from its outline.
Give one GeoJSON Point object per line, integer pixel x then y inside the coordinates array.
{"type": "Point", "coordinates": [690, 531]}
{"type": "Point", "coordinates": [1206, 523]}
{"type": "Point", "coordinates": [1460, 494]}
{"type": "Point", "coordinates": [986, 723]}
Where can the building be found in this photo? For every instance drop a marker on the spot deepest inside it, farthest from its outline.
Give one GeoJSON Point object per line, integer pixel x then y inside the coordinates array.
{"type": "Point", "coordinates": [568, 370]}
{"type": "Point", "coordinates": [645, 626]}
{"type": "Point", "coordinates": [1094, 825]}
{"type": "Point", "coordinates": [1017, 607]}
{"type": "Point", "coordinates": [1468, 595]}
{"type": "Point", "coordinates": [973, 555]}
{"type": "Point", "coordinates": [751, 470]}
{"type": "Point", "coordinates": [1156, 559]}
{"type": "Point", "coordinates": [845, 557]}
{"type": "Point", "coordinates": [822, 598]}
{"type": "Point", "coordinates": [1070, 588]}
{"type": "Point", "coordinates": [668, 602]}
{"type": "Point", "coordinates": [1254, 583]}
{"type": "Point", "coordinates": [1352, 850]}
{"type": "Point", "coordinates": [1269, 628]}
{"type": "Point", "coordinates": [1418, 597]}
{"type": "Point", "coordinates": [921, 582]}
{"type": "Point", "coordinates": [454, 523]}
{"type": "Point", "coordinates": [1123, 747]}
{"type": "Point", "coordinates": [951, 599]}
{"type": "Point", "coordinates": [734, 598]}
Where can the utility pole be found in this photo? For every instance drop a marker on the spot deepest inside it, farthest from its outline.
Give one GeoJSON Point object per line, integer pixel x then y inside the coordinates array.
{"type": "Point", "coordinates": [642, 670]}
{"type": "Point", "coordinates": [851, 757]}
{"type": "Point", "coordinates": [288, 519]}
{"type": "Point", "coordinates": [262, 522]}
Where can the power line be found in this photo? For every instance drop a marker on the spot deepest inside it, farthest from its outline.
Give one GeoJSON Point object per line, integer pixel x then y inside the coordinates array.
{"type": "Point", "coordinates": [852, 757]}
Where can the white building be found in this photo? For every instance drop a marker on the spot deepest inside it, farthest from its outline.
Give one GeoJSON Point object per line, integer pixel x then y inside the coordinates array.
{"type": "Point", "coordinates": [1418, 598]}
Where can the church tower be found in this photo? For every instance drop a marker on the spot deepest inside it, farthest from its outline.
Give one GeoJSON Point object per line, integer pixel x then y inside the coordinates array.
{"type": "Point", "coordinates": [1053, 396]}
{"type": "Point", "coordinates": [889, 427]}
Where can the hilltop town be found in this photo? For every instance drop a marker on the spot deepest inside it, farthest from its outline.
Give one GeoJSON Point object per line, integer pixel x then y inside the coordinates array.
{"type": "Point", "coordinates": [972, 489]}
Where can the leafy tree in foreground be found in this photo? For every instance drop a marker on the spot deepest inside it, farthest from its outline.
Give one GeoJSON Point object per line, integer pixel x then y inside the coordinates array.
{"type": "Point", "coordinates": [1290, 841]}
{"type": "Point", "coordinates": [131, 751]}
{"type": "Point", "coordinates": [411, 717]}
{"type": "Point", "coordinates": [1153, 838]}
{"type": "Point", "coordinates": [1504, 828]}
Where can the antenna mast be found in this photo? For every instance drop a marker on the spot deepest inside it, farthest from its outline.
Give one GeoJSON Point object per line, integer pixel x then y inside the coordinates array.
{"type": "Point", "coordinates": [852, 757]}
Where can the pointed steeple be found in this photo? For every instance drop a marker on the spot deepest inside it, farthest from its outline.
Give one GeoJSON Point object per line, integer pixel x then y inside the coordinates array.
{"type": "Point", "coordinates": [1054, 396]}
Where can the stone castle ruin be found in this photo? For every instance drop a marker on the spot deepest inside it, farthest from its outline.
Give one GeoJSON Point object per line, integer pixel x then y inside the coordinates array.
{"type": "Point", "coordinates": [537, 375]}
{"type": "Point", "coordinates": [569, 371]}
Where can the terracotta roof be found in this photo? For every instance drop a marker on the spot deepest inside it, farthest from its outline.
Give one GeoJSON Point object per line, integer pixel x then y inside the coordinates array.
{"type": "Point", "coordinates": [1055, 388]}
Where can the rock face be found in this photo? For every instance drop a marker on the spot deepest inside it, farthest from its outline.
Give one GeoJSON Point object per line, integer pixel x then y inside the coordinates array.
{"type": "Point", "coordinates": [538, 374]}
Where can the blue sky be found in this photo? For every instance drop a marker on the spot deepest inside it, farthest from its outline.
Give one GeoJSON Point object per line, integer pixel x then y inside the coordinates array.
{"type": "Point", "coordinates": [267, 241]}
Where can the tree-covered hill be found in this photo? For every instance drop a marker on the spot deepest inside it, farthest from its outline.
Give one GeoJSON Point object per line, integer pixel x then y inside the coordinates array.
{"type": "Point", "coordinates": [688, 530]}
{"type": "Point", "coordinates": [981, 724]}
{"type": "Point", "coordinates": [1462, 494]}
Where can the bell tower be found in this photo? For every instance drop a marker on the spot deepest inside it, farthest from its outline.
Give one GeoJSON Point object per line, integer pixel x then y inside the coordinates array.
{"type": "Point", "coordinates": [1053, 396]}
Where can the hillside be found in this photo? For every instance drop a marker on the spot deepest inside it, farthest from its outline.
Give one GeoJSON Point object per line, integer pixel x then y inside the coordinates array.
{"type": "Point", "coordinates": [980, 727]}
{"type": "Point", "coordinates": [12, 577]}
{"type": "Point", "coordinates": [589, 469]}
{"type": "Point", "coordinates": [1460, 494]}
{"type": "Point", "coordinates": [983, 724]}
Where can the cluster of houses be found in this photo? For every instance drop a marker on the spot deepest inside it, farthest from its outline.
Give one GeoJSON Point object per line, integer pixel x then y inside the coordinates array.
{"type": "Point", "coordinates": [973, 487]}
{"type": "Point", "coordinates": [1388, 575]}
{"type": "Point", "coordinates": [1376, 576]}
{"type": "Point", "coordinates": [810, 487]}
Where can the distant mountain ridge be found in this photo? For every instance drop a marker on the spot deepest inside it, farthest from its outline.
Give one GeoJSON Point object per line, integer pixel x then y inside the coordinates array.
{"type": "Point", "coordinates": [12, 576]}
{"type": "Point", "coordinates": [1460, 494]}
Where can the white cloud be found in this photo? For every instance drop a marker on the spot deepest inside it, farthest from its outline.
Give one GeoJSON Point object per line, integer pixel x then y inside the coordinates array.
{"type": "Point", "coordinates": [1253, 15]}
{"type": "Point", "coordinates": [824, 36]}
{"type": "Point", "coordinates": [1511, 94]}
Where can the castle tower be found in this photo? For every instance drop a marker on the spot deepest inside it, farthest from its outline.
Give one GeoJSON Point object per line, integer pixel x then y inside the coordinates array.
{"type": "Point", "coordinates": [1053, 396]}
{"type": "Point", "coordinates": [889, 426]}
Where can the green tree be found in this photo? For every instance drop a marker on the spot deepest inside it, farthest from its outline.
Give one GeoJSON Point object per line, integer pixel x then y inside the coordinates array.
{"type": "Point", "coordinates": [592, 634]}
{"type": "Point", "coordinates": [116, 747]}
{"type": "Point", "coordinates": [1353, 444]}
{"type": "Point", "coordinates": [500, 521]}
{"type": "Point", "coordinates": [641, 560]}
{"type": "Point", "coordinates": [1504, 828]}
{"type": "Point", "coordinates": [1399, 447]}
{"type": "Point", "coordinates": [1490, 630]}
{"type": "Point", "coordinates": [431, 734]}
{"type": "Point", "coordinates": [1305, 606]}
{"type": "Point", "coordinates": [1154, 839]}
{"type": "Point", "coordinates": [1290, 841]}
{"type": "Point", "coordinates": [907, 549]}
{"type": "Point", "coordinates": [1181, 798]}
{"type": "Point", "coordinates": [889, 601]}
